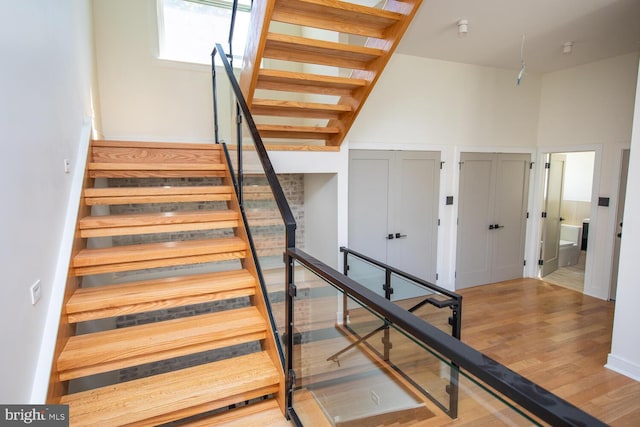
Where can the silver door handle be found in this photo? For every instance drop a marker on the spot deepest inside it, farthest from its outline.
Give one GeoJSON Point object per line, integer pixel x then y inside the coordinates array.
{"type": "Point", "coordinates": [389, 237]}
{"type": "Point", "coordinates": [400, 236]}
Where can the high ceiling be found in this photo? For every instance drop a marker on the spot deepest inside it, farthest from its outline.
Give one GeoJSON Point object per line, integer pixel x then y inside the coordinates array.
{"type": "Point", "coordinates": [598, 28]}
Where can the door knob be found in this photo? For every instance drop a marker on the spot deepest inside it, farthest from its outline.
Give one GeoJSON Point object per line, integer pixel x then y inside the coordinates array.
{"type": "Point", "coordinates": [389, 237]}
{"type": "Point", "coordinates": [496, 226]}
{"type": "Point", "coordinates": [400, 236]}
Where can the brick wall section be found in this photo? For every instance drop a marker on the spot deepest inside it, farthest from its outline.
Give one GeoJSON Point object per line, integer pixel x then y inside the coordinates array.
{"type": "Point", "coordinates": [269, 238]}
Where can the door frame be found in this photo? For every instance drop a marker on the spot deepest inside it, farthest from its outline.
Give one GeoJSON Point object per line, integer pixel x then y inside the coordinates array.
{"type": "Point", "coordinates": [532, 267]}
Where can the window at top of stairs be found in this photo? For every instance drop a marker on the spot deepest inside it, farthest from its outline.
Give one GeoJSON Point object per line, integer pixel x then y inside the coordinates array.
{"type": "Point", "coordinates": [188, 29]}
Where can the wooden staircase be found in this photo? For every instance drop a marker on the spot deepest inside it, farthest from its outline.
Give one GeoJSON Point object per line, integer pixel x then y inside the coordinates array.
{"type": "Point", "coordinates": [309, 90]}
{"type": "Point", "coordinates": [101, 291]}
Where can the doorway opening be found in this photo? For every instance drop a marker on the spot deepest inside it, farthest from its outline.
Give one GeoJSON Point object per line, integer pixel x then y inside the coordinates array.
{"type": "Point", "coordinates": [566, 216]}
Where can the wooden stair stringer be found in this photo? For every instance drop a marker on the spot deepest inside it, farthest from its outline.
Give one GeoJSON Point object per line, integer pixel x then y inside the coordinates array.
{"type": "Point", "coordinates": [408, 8]}
{"type": "Point", "coordinates": [383, 27]}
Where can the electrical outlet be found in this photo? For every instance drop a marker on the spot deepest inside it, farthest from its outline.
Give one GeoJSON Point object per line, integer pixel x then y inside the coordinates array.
{"type": "Point", "coordinates": [36, 292]}
{"type": "Point", "coordinates": [67, 166]}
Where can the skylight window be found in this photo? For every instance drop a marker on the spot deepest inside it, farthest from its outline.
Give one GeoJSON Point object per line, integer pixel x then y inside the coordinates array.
{"type": "Point", "coordinates": [188, 29]}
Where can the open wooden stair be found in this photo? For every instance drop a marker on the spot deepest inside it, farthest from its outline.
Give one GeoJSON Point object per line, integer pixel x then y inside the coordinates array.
{"type": "Point", "coordinates": [188, 273]}
{"type": "Point", "coordinates": [281, 78]}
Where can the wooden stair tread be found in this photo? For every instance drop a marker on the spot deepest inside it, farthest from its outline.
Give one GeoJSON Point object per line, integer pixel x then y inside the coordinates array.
{"type": "Point", "coordinates": [135, 297]}
{"type": "Point", "coordinates": [105, 351]}
{"type": "Point", "coordinates": [302, 132]}
{"type": "Point", "coordinates": [115, 254]}
{"type": "Point", "coordinates": [129, 195]}
{"type": "Point", "coordinates": [308, 83]}
{"type": "Point", "coordinates": [157, 222]}
{"type": "Point", "coordinates": [163, 145]}
{"type": "Point", "coordinates": [153, 255]}
{"type": "Point", "coordinates": [265, 414]}
{"type": "Point", "coordinates": [148, 166]}
{"type": "Point", "coordinates": [300, 49]}
{"type": "Point", "coordinates": [342, 17]}
{"type": "Point", "coordinates": [179, 393]}
{"type": "Point", "coordinates": [272, 107]}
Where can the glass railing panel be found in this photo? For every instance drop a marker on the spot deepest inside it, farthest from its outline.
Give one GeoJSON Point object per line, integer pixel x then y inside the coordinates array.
{"type": "Point", "coordinates": [355, 387]}
{"type": "Point", "coordinates": [412, 296]}
{"type": "Point", "coordinates": [473, 403]}
{"type": "Point", "coordinates": [367, 274]}
{"type": "Point", "coordinates": [346, 374]}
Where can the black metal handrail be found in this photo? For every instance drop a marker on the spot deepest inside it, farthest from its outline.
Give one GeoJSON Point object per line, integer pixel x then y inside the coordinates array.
{"type": "Point", "coordinates": [272, 179]}
{"type": "Point", "coordinates": [454, 301]}
{"type": "Point", "coordinates": [530, 396]}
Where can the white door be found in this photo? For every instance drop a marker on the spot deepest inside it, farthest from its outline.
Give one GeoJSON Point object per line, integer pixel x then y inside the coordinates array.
{"type": "Point", "coordinates": [393, 210]}
{"type": "Point", "coordinates": [475, 216]}
{"type": "Point", "coordinates": [619, 218]}
{"type": "Point", "coordinates": [551, 222]}
{"type": "Point", "coordinates": [492, 214]}
{"type": "Point", "coordinates": [510, 215]}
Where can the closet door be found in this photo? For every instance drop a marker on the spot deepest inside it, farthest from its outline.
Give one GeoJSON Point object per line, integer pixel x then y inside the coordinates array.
{"type": "Point", "coordinates": [492, 208]}
{"type": "Point", "coordinates": [510, 214]}
{"type": "Point", "coordinates": [393, 209]}
{"type": "Point", "coordinates": [369, 202]}
{"type": "Point", "coordinates": [475, 215]}
{"type": "Point", "coordinates": [414, 218]}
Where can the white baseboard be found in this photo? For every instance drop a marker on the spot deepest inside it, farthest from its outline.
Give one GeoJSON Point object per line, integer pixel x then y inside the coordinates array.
{"type": "Point", "coordinates": [624, 367]}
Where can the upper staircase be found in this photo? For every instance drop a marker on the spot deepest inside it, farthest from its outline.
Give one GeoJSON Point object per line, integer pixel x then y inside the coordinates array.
{"type": "Point", "coordinates": [164, 317]}
{"type": "Point", "coordinates": [310, 65]}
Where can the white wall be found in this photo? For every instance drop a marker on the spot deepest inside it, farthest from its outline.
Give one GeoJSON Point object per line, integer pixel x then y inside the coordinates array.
{"type": "Point", "coordinates": [590, 107]}
{"type": "Point", "coordinates": [426, 104]}
{"type": "Point", "coordinates": [142, 97]}
{"type": "Point", "coordinates": [45, 83]}
{"type": "Point", "coordinates": [625, 351]}
{"type": "Point", "coordinates": [578, 176]}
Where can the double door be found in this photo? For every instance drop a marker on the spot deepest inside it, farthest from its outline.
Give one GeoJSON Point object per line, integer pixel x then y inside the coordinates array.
{"type": "Point", "coordinates": [393, 209]}
{"type": "Point", "coordinates": [492, 217]}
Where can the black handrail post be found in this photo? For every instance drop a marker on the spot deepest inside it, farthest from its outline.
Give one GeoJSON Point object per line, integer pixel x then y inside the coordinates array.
{"type": "Point", "coordinates": [456, 331]}
{"type": "Point", "coordinates": [232, 25]}
{"type": "Point", "coordinates": [215, 96]}
{"type": "Point", "coordinates": [239, 147]}
{"type": "Point", "coordinates": [289, 319]}
{"type": "Point", "coordinates": [345, 300]}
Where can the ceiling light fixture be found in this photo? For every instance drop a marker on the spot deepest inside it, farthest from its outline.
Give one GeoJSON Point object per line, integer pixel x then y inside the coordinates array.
{"type": "Point", "coordinates": [522, 66]}
{"type": "Point", "coordinates": [567, 48]}
{"type": "Point", "coordinates": [463, 27]}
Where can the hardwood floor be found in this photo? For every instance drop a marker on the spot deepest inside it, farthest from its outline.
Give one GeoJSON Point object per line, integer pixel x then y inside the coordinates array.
{"type": "Point", "coordinates": [571, 277]}
{"type": "Point", "coordinates": [556, 337]}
